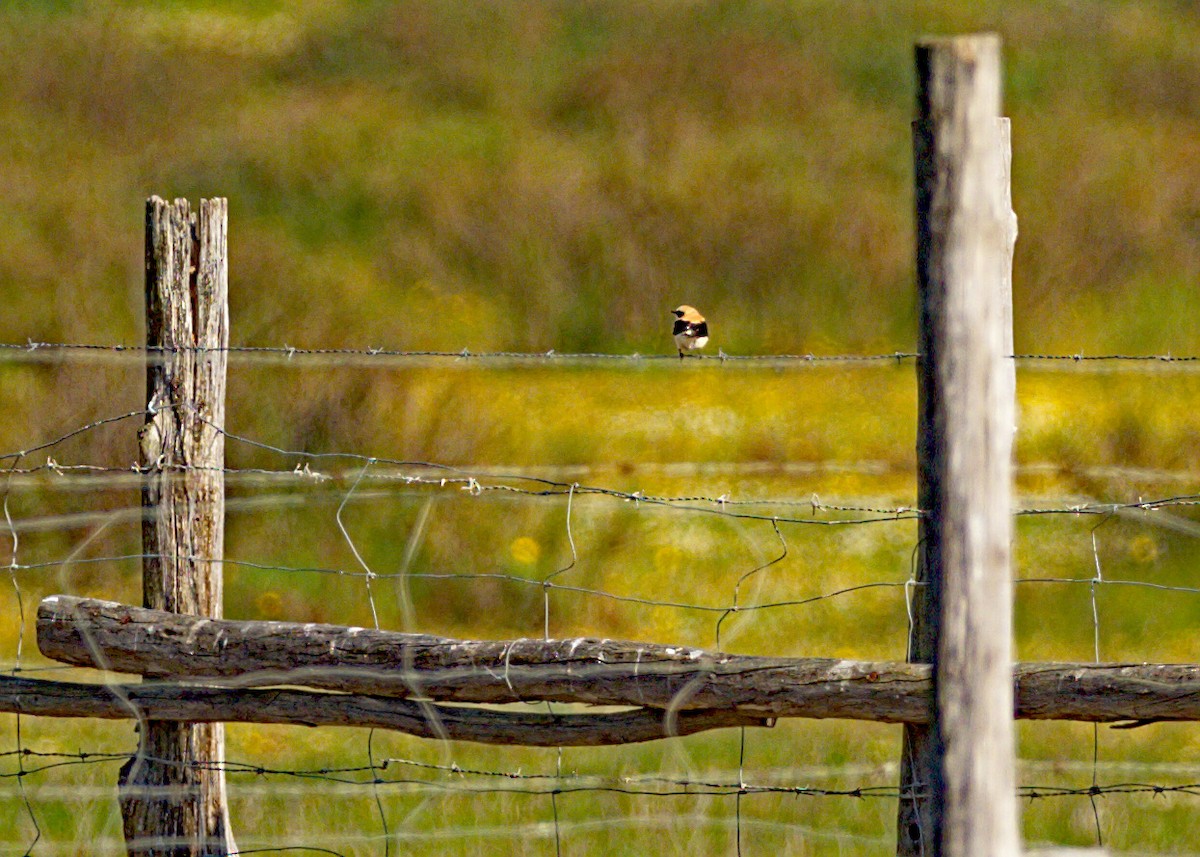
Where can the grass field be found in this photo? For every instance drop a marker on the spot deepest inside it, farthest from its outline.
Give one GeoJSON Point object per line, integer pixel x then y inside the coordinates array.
{"type": "Point", "coordinates": [1085, 436]}
{"type": "Point", "coordinates": [494, 175]}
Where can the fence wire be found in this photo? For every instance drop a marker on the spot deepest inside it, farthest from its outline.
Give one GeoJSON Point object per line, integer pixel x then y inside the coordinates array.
{"type": "Point", "coordinates": [402, 793]}
{"type": "Point", "coordinates": [34, 351]}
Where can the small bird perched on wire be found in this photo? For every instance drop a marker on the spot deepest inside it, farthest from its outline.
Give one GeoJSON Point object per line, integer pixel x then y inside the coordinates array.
{"type": "Point", "coordinates": [690, 331]}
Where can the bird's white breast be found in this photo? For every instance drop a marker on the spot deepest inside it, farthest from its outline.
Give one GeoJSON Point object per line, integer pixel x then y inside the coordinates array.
{"type": "Point", "coordinates": [687, 340]}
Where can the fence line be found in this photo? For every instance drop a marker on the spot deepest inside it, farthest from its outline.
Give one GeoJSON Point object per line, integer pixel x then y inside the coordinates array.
{"type": "Point", "coordinates": [373, 775]}
{"type": "Point", "coordinates": [52, 474]}
{"type": "Point", "coordinates": [62, 758]}
{"type": "Point", "coordinates": [474, 481]}
{"type": "Point", "coordinates": [467, 577]}
{"type": "Point", "coordinates": [733, 784]}
{"type": "Point", "coordinates": [294, 355]}
{"type": "Point", "coordinates": [475, 486]}
{"type": "Point", "coordinates": [286, 354]}
{"type": "Point", "coordinates": [353, 484]}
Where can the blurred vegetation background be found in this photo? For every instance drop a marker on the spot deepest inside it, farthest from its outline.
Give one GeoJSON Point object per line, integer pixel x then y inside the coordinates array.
{"type": "Point", "coordinates": [436, 174]}
{"type": "Point", "coordinates": [559, 174]}
{"type": "Point", "coordinates": [441, 174]}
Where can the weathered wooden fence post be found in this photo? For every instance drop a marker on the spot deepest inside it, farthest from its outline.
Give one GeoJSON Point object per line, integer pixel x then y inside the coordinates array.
{"type": "Point", "coordinates": [957, 775]}
{"type": "Point", "coordinates": [173, 790]}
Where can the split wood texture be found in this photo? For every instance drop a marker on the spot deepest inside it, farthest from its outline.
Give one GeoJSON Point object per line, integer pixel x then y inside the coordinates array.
{"type": "Point", "coordinates": [172, 792]}
{"type": "Point", "coordinates": [237, 655]}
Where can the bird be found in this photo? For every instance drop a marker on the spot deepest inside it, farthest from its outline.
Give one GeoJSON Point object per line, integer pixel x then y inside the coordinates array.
{"type": "Point", "coordinates": [690, 331]}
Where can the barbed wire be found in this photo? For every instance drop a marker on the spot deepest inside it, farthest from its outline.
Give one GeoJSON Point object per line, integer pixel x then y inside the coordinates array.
{"type": "Point", "coordinates": [473, 483]}
{"type": "Point", "coordinates": [37, 350]}
{"type": "Point", "coordinates": [287, 354]}
{"type": "Point", "coordinates": [466, 782]}
{"type": "Point", "coordinates": [458, 777]}
{"type": "Point", "coordinates": [57, 473]}
{"type": "Point", "coordinates": [352, 477]}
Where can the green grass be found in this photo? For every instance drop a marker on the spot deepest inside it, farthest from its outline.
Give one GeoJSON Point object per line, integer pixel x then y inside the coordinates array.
{"type": "Point", "coordinates": [440, 175]}
{"type": "Point", "coordinates": [1111, 437]}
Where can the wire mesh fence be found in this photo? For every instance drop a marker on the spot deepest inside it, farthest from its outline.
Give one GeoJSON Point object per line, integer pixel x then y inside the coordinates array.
{"type": "Point", "coordinates": [621, 525]}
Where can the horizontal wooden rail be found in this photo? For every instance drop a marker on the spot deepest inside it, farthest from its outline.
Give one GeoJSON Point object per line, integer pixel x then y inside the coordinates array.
{"type": "Point", "coordinates": [237, 655]}
{"type": "Point", "coordinates": [191, 704]}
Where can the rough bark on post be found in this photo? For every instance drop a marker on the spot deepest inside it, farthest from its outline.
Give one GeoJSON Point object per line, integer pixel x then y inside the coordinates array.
{"type": "Point", "coordinates": [957, 774]}
{"type": "Point", "coordinates": [173, 790]}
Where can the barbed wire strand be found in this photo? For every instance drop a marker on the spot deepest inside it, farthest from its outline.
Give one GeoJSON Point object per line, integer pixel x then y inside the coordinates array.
{"type": "Point", "coordinates": [657, 786]}
{"type": "Point", "coordinates": [288, 354]}
{"type": "Point", "coordinates": [417, 488]}
{"type": "Point", "coordinates": [471, 480]}
{"type": "Point", "coordinates": [584, 782]}
{"type": "Point", "coordinates": [37, 350]}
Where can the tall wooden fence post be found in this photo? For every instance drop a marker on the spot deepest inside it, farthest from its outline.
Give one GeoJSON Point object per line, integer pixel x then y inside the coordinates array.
{"type": "Point", "coordinates": [957, 775]}
{"type": "Point", "coordinates": [173, 791]}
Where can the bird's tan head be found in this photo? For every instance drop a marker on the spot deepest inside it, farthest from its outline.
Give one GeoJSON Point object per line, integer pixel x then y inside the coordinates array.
{"type": "Point", "coordinates": [687, 313]}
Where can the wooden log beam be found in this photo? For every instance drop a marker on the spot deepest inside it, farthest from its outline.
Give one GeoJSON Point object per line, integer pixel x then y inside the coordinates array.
{"type": "Point", "coordinates": [187, 704]}
{"type": "Point", "coordinates": [102, 634]}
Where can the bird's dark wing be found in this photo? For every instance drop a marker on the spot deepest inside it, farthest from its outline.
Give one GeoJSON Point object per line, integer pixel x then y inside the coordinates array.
{"type": "Point", "coordinates": [691, 328]}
